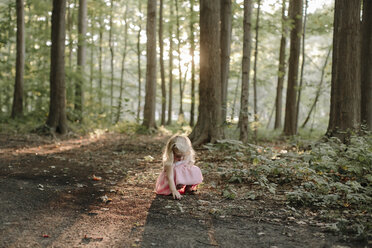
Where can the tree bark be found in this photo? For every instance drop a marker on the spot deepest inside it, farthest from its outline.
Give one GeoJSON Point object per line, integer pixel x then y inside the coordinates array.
{"type": "Point", "coordinates": [225, 52]}
{"type": "Point", "coordinates": [281, 71]}
{"type": "Point", "coordinates": [17, 108]}
{"type": "Point", "coordinates": [82, 27]}
{"type": "Point", "coordinates": [208, 127]}
{"type": "Point", "coordinates": [150, 98]}
{"type": "Point", "coordinates": [100, 58]}
{"type": "Point", "coordinates": [295, 10]}
{"type": "Point", "coordinates": [246, 63]}
{"type": "Point", "coordinates": [111, 44]}
{"type": "Point", "coordinates": [192, 52]}
{"type": "Point", "coordinates": [57, 111]}
{"type": "Point", "coordinates": [170, 92]}
{"type": "Point", "coordinates": [161, 60]}
{"type": "Point", "coordinates": [366, 63]}
{"type": "Point", "coordinates": [118, 113]}
{"type": "Point", "coordinates": [180, 113]}
{"type": "Point", "coordinates": [139, 50]}
{"type": "Point", "coordinates": [345, 90]}
{"type": "Point", "coordinates": [302, 66]}
{"type": "Point", "coordinates": [255, 72]}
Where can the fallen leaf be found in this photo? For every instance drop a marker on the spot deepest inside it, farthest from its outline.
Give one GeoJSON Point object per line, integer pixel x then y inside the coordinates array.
{"type": "Point", "coordinates": [95, 178]}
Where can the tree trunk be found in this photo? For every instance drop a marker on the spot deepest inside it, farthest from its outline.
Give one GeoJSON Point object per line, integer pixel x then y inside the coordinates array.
{"type": "Point", "coordinates": [91, 73]}
{"type": "Point", "coordinates": [225, 52]}
{"type": "Point", "coordinates": [82, 27]}
{"type": "Point", "coordinates": [139, 50]}
{"type": "Point", "coordinates": [235, 97]}
{"type": "Point", "coordinates": [111, 44]}
{"type": "Point", "coordinates": [170, 66]}
{"type": "Point", "coordinates": [246, 63]}
{"type": "Point", "coordinates": [57, 111]}
{"type": "Point", "coordinates": [302, 66]}
{"type": "Point", "coordinates": [345, 90]}
{"type": "Point", "coordinates": [295, 13]}
{"type": "Point", "coordinates": [123, 64]}
{"type": "Point", "coordinates": [192, 52]}
{"type": "Point", "coordinates": [255, 72]}
{"type": "Point", "coordinates": [100, 57]}
{"type": "Point", "coordinates": [180, 114]}
{"type": "Point", "coordinates": [208, 127]}
{"type": "Point", "coordinates": [17, 108]}
{"type": "Point", "coordinates": [161, 58]}
{"type": "Point", "coordinates": [150, 98]}
{"type": "Point", "coordinates": [366, 63]}
{"type": "Point", "coordinates": [317, 95]}
{"type": "Point", "coordinates": [281, 71]}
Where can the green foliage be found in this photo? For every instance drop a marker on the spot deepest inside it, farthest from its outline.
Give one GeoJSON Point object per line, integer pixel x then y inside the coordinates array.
{"type": "Point", "coordinates": [328, 175]}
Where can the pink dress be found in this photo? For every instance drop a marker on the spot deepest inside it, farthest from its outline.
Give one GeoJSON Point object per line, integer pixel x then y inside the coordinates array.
{"type": "Point", "coordinates": [184, 174]}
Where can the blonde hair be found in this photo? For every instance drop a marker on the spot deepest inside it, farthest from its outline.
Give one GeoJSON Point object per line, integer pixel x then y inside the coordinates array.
{"type": "Point", "coordinates": [183, 145]}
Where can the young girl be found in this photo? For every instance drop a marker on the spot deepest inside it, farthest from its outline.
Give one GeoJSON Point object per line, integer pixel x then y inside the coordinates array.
{"type": "Point", "coordinates": [179, 175]}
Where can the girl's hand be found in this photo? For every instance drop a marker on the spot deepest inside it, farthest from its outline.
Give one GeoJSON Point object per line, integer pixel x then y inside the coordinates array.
{"type": "Point", "coordinates": [176, 195]}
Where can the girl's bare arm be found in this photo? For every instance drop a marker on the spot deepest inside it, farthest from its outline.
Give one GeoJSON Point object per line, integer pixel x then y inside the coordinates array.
{"type": "Point", "coordinates": [172, 186]}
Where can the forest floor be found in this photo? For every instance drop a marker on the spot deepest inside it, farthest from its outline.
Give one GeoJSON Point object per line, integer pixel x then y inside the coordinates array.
{"type": "Point", "coordinates": [97, 191]}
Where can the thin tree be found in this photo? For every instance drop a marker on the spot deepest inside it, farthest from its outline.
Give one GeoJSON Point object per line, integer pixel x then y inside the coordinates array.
{"type": "Point", "coordinates": [208, 127]}
{"type": "Point", "coordinates": [150, 98]}
{"type": "Point", "coordinates": [366, 63]}
{"type": "Point", "coordinates": [255, 71]}
{"type": "Point", "coordinates": [57, 109]}
{"type": "Point", "coordinates": [139, 51]}
{"type": "Point", "coordinates": [82, 27]}
{"type": "Point", "coordinates": [302, 66]}
{"type": "Point", "coordinates": [170, 91]}
{"type": "Point", "coordinates": [161, 60]}
{"type": "Point", "coordinates": [111, 45]}
{"type": "Point", "coordinates": [180, 114]}
{"type": "Point", "coordinates": [345, 87]}
{"type": "Point", "coordinates": [281, 70]}
{"type": "Point", "coordinates": [225, 52]}
{"type": "Point", "coordinates": [17, 108]}
{"type": "Point", "coordinates": [100, 60]}
{"type": "Point", "coordinates": [246, 63]}
{"type": "Point", "coordinates": [118, 113]}
{"type": "Point", "coordinates": [192, 52]}
{"type": "Point", "coordinates": [319, 90]}
{"type": "Point", "coordinates": [295, 14]}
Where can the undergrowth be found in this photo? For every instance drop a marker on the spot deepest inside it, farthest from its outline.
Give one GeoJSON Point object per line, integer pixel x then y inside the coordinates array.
{"type": "Point", "coordinates": [326, 176]}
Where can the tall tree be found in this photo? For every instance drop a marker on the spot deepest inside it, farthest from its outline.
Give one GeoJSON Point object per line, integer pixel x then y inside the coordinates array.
{"type": "Point", "coordinates": [281, 70]}
{"type": "Point", "coordinates": [111, 44]}
{"type": "Point", "coordinates": [162, 72]}
{"type": "Point", "coordinates": [118, 113]}
{"type": "Point", "coordinates": [225, 52]}
{"type": "Point", "coordinates": [17, 108]}
{"type": "Point", "coordinates": [57, 108]}
{"type": "Point", "coordinates": [295, 14]}
{"type": "Point", "coordinates": [139, 69]}
{"type": "Point", "coordinates": [100, 59]}
{"type": "Point", "coordinates": [246, 64]}
{"type": "Point", "coordinates": [170, 91]}
{"type": "Point", "coordinates": [302, 66]}
{"type": "Point", "coordinates": [366, 63]}
{"type": "Point", "coordinates": [181, 87]}
{"type": "Point", "coordinates": [192, 52]}
{"type": "Point", "coordinates": [255, 71]}
{"type": "Point", "coordinates": [82, 27]}
{"type": "Point", "coordinates": [208, 127]}
{"type": "Point", "coordinates": [150, 98]}
{"type": "Point", "coordinates": [345, 88]}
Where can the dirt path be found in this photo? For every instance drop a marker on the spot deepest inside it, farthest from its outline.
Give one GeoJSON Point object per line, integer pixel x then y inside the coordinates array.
{"type": "Point", "coordinates": [97, 191]}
